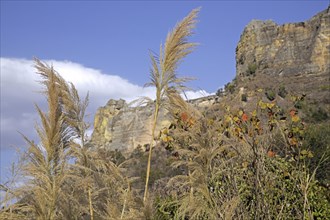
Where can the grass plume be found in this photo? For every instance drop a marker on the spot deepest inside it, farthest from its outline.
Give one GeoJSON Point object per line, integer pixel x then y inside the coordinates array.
{"type": "Point", "coordinates": [164, 71]}
{"type": "Point", "coordinates": [47, 166]}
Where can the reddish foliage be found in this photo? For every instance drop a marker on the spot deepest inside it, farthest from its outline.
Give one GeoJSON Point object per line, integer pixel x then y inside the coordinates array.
{"type": "Point", "coordinates": [184, 116]}
{"type": "Point", "coordinates": [271, 153]}
{"type": "Point", "coordinates": [244, 117]}
{"type": "Point", "coordinates": [293, 112]}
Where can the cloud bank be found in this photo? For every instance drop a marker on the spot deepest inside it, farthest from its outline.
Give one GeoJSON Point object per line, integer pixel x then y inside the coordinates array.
{"type": "Point", "coordinates": [20, 90]}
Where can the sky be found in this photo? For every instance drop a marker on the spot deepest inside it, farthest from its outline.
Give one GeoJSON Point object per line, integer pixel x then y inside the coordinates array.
{"type": "Point", "coordinates": [102, 47]}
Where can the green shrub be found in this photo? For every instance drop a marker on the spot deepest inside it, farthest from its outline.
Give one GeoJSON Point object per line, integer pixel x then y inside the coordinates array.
{"type": "Point", "coordinates": [325, 88]}
{"type": "Point", "coordinates": [165, 208]}
{"type": "Point", "coordinates": [230, 87]}
{"type": "Point", "coordinates": [267, 183]}
{"type": "Point", "coordinates": [282, 91]}
{"type": "Point", "coordinates": [299, 104]}
{"type": "Point", "coordinates": [270, 94]}
{"type": "Point", "coordinates": [317, 139]}
{"type": "Point", "coordinates": [251, 69]}
{"type": "Point", "coordinates": [244, 98]}
{"type": "Point", "coordinates": [320, 115]}
{"type": "Point", "coordinates": [299, 101]}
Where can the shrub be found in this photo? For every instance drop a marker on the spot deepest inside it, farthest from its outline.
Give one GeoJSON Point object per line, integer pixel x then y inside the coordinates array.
{"type": "Point", "coordinates": [299, 104]}
{"type": "Point", "coordinates": [230, 87]}
{"type": "Point", "coordinates": [219, 92]}
{"type": "Point", "coordinates": [270, 94]}
{"type": "Point", "coordinates": [317, 139]}
{"type": "Point", "coordinates": [299, 101]}
{"type": "Point", "coordinates": [244, 98]}
{"type": "Point", "coordinates": [320, 115]}
{"type": "Point", "coordinates": [245, 176]}
{"type": "Point", "coordinates": [282, 91]}
{"type": "Point", "coordinates": [251, 69]}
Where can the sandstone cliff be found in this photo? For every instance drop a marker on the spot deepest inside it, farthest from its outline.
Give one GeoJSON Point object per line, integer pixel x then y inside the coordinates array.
{"type": "Point", "coordinates": [268, 55]}
{"type": "Point", "coordinates": [118, 126]}
{"type": "Point", "coordinates": [296, 55]}
{"type": "Point", "coordinates": [289, 49]}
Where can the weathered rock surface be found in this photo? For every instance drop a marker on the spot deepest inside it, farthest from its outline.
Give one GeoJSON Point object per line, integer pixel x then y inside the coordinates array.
{"type": "Point", "coordinates": [118, 126]}
{"type": "Point", "coordinates": [286, 50]}
{"type": "Point", "coordinates": [295, 55]}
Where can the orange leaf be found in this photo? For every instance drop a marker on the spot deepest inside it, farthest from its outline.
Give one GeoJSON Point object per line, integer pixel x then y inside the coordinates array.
{"type": "Point", "coordinates": [292, 112]}
{"type": "Point", "coordinates": [244, 117]}
{"type": "Point", "coordinates": [271, 153]}
{"type": "Point", "coordinates": [184, 116]}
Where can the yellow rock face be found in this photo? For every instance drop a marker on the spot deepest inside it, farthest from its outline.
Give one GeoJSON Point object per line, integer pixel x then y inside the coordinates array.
{"type": "Point", "coordinates": [116, 126]}
{"type": "Point", "coordinates": [290, 49]}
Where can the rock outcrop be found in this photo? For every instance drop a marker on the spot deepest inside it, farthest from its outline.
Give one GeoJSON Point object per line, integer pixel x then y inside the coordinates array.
{"type": "Point", "coordinates": [268, 55]}
{"type": "Point", "coordinates": [295, 56]}
{"type": "Point", "coordinates": [118, 126]}
{"type": "Point", "coordinates": [286, 50]}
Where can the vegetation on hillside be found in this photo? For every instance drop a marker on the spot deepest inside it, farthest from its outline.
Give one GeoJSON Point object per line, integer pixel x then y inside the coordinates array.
{"type": "Point", "coordinates": [224, 162]}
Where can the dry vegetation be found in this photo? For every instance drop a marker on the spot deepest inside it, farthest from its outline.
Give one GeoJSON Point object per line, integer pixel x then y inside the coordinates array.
{"type": "Point", "coordinates": [221, 163]}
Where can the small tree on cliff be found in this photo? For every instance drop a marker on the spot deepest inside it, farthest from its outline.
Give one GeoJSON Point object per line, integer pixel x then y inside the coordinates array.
{"type": "Point", "coordinates": [163, 71]}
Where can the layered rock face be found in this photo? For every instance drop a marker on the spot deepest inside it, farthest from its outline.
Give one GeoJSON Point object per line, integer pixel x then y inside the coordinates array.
{"type": "Point", "coordinates": [295, 56]}
{"type": "Point", "coordinates": [290, 49]}
{"type": "Point", "coordinates": [118, 126]}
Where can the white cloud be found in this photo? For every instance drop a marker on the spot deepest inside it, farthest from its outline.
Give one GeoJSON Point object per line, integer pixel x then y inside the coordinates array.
{"type": "Point", "coordinates": [101, 86]}
{"type": "Point", "coordinates": [20, 87]}
{"type": "Point", "coordinates": [20, 90]}
{"type": "Point", "coordinates": [197, 94]}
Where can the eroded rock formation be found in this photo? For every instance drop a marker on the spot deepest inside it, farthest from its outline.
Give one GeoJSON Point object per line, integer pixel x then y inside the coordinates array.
{"type": "Point", "coordinates": [295, 56]}
{"type": "Point", "coordinates": [118, 126]}
{"type": "Point", "coordinates": [289, 49]}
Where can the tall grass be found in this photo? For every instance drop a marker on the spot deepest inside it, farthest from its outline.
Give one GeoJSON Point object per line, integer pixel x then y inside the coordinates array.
{"type": "Point", "coordinates": [54, 187]}
{"type": "Point", "coordinates": [47, 168]}
{"type": "Point", "coordinates": [164, 72]}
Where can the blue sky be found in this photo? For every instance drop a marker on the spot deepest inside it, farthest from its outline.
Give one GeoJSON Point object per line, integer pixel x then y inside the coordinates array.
{"type": "Point", "coordinates": [102, 47]}
{"type": "Point", "coordinates": [114, 36]}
